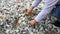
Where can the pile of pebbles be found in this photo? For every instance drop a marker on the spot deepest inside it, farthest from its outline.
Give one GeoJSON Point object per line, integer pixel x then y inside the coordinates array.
{"type": "Point", "coordinates": [13, 21]}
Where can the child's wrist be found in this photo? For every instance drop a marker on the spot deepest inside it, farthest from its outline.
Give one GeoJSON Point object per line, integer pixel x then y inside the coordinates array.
{"type": "Point", "coordinates": [32, 7]}
{"type": "Point", "coordinates": [35, 20]}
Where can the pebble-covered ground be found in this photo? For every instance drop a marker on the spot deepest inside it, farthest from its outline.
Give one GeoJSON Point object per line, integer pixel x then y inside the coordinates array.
{"type": "Point", "coordinates": [13, 21]}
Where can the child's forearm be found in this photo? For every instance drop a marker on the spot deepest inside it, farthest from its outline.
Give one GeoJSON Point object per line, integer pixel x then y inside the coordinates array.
{"type": "Point", "coordinates": [35, 3]}
{"type": "Point", "coordinates": [49, 5]}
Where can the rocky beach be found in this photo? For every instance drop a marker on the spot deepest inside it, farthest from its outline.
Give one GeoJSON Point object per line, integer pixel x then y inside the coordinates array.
{"type": "Point", "coordinates": [13, 20]}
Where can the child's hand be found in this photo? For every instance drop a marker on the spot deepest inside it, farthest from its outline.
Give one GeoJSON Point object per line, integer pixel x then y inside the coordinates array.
{"type": "Point", "coordinates": [32, 22]}
{"type": "Point", "coordinates": [29, 10]}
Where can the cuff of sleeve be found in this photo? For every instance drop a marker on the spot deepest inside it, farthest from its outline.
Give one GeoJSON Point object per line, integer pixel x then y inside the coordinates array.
{"type": "Point", "coordinates": [33, 5]}
{"type": "Point", "coordinates": [37, 20]}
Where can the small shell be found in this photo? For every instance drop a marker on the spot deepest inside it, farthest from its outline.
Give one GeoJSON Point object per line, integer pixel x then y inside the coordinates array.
{"type": "Point", "coordinates": [1, 16]}
{"type": "Point", "coordinates": [19, 21]}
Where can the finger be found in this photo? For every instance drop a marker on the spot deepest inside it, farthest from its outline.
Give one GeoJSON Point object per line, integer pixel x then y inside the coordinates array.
{"type": "Point", "coordinates": [30, 23]}
{"type": "Point", "coordinates": [26, 14]}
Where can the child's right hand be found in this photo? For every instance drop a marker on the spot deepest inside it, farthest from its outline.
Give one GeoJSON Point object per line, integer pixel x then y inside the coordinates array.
{"type": "Point", "coordinates": [29, 10]}
{"type": "Point", "coordinates": [32, 22]}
